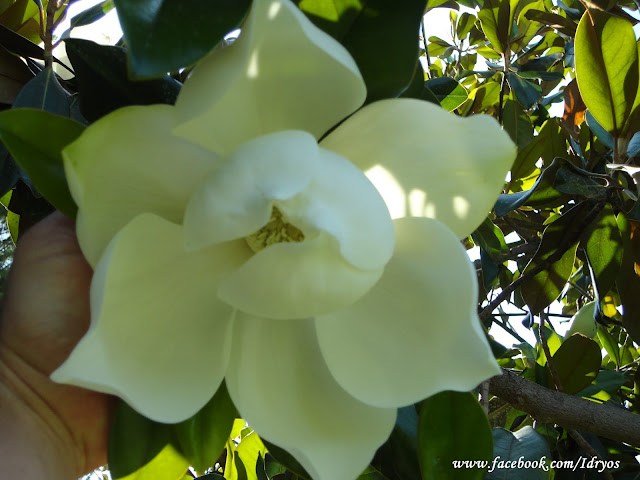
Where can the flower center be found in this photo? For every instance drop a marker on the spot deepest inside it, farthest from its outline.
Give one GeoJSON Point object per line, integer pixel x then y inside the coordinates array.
{"type": "Point", "coordinates": [277, 230]}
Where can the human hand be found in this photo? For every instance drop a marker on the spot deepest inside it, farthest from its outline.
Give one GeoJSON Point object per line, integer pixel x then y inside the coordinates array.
{"type": "Point", "coordinates": [45, 312]}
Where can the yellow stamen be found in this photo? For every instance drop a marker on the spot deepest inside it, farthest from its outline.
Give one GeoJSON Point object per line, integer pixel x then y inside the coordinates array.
{"type": "Point", "coordinates": [277, 230]}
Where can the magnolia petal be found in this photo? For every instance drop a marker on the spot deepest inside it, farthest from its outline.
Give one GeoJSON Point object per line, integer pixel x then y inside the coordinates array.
{"type": "Point", "coordinates": [280, 384]}
{"type": "Point", "coordinates": [282, 73]}
{"type": "Point", "coordinates": [344, 203]}
{"type": "Point", "coordinates": [297, 280]}
{"type": "Point", "coordinates": [316, 190]}
{"type": "Point", "coordinates": [416, 332]}
{"type": "Point", "coordinates": [236, 200]}
{"type": "Point", "coordinates": [427, 162]}
{"type": "Point", "coordinates": [159, 336]}
{"type": "Point", "coordinates": [128, 163]}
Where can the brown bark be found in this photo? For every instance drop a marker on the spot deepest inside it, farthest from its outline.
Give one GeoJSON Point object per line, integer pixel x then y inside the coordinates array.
{"type": "Point", "coordinates": [548, 406]}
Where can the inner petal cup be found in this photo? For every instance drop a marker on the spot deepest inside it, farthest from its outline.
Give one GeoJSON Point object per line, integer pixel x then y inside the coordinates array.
{"type": "Point", "coordinates": [321, 231]}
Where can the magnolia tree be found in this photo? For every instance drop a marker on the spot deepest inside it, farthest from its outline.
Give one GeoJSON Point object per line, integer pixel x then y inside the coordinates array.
{"type": "Point", "coordinates": [279, 229]}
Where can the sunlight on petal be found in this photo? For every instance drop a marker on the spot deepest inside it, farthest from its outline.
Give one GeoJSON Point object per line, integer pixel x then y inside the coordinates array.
{"type": "Point", "coordinates": [422, 147]}
{"type": "Point", "coordinates": [390, 190]}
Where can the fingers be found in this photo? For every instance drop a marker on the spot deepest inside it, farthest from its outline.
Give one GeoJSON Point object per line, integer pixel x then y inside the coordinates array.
{"type": "Point", "coordinates": [46, 303]}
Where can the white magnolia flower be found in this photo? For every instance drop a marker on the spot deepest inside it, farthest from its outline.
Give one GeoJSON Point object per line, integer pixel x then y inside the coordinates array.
{"type": "Point", "coordinates": [325, 282]}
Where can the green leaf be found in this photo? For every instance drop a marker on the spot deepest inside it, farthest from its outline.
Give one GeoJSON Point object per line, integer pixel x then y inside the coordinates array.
{"type": "Point", "coordinates": [542, 192]}
{"type": "Point", "coordinates": [490, 238]}
{"type": "Point", "coordinates": [44, 92]}
{"type": "Point", "coordinates": [607, 381]}
{"type": "Point", "coordinates": [495, 17]}
{"type": "Point", "coordinates": [140, 449]}
{"type": "Point", "coordinates": [606, 58]}
{"type": "Point", "coordinates": [544, 287]}
{"type": "Point", "coordinates": [577, 362]}
{"type": "Point", "coordinates": [92, 14]}
{"type": "Point", "coordinates": [453, 427]}
{"type": "Point", "coordinates": [579, 183]}
{"type": "Point", "coordinates": [603, 244]}
{"type": "Point", "coordinates": [517, 124]}
{"type": "Point", "coordinates": [203, 436]}
{"type": "Point", "coordinates": [450, 93]}
{"type": "Point", "coordinates": [431, 4]}
{"type": "Point", "coordinates": [19, 45]}
{"type": "Point", "coordinates": [165, 35]}
{"type": "Point", "coordinates": [527, 93]}
{"type": "Point", "coordinates": [287, 460]}
{"type": "Point", "coordinates": [15, 74]}
{"type": "Point", "coordinates": [523, 445]}
{"type": "Point", "coordinates": [554, 20]}
{"type": "Point", "coordinates": [610, 345]}
{"type": "Point", "coordinates": [375, 33]}
{"type": "Point", "coordinates": [104, 84]}
{"type": "Point", "coordinates": [597, 129]}
{"type": "Point", "coordinates": [628, 281]}
{"type": "Point", "coordinates": [8, 171]}
{"type": "Point", "coordinates": [245, 462]}
{"type": "Point", "coordinates": [397, 458]}
{"type": "Point", "coordinates": [35, 140]}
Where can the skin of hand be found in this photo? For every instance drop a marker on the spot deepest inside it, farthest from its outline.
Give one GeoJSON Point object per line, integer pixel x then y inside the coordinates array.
{"type": "Point", "coordinates": [47, 430]}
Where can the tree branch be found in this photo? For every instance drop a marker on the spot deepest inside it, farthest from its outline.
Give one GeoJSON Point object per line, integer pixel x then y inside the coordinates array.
{"type": "Point", "coordinates": [568, 411]}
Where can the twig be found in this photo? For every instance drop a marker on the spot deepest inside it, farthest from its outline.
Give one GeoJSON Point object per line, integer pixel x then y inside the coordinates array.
{"type": "Point", "coordinates": [547, 353]}
{"type": "Point", "coordinates": [543, 265]}
{"type": "Point", "coordinates": [426, 48]}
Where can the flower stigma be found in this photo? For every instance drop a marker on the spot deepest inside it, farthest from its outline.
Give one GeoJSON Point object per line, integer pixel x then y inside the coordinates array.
{"type": "Point", "coordinates": [277, 230]}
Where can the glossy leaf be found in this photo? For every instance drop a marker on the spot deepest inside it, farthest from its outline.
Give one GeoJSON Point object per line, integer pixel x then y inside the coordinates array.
{"type": "Point", "coordinates": [603, 245]}
{"type": "Point", "coordinates": [610, 344]}
{"type": "Point", "coordinates": [541, 193]}
{"type": "Point", "coordinates": [92, 14]}
{"type": "Point", "coordinates": [375, 33]}
{"type": "Point", "coordinates": [287, 460]}
{"type": "Point", "coordinates": [203, 436]}
{"type": "Point", "coordinates": [557, 252]}
{"type": "Point", "coordinates": [577, 362]}
{"type": "Point", "coordinates": [495, 19]}
{"type": "Point", "coordinates": [607, 381]}
{"type": "Point", "coordinates": [8, 172]}
{"type": "Point", "coordinates": [628, 281]}
{"type": "Point", "coordinates": [517, 124]}
{"type": "Point", "coordinates": [450, 93]}
{"type": "Point", "coordinates": [579, 184]}
{"type": "Point", "coordinates": [140, 449]}
{"type": "Point", "coordinates": [398, 457]}
{"type": "Point", "coordinates": [19, 45]}
{"type": "Point", "coordinates": [554, 20]}
{"type": "Point", "coordinates": [606, 60]}
{"type": "Point", "coordinates": [453, 426]}
{"type": "Point", "coordinates": [527, 93]}
{"type": "Point", "coordinates": [605, 137]}
{"type": "Point", "coordinates": [244, 460]}
{"type": "Point", "coordinates": [22, 18]}
{"type": "Point", "coordinates": [14, 74]}
{"type": "Point", "coordinates": [525, 445]}
{"type": "Point", "coordinates": [164, 36]}
{"type": "Point", "coordinates": [40, 154]}
{"type": "Point", "coordinates": [490, 238]}
{"type": "Point", "coordinates": [104, 84]}
{"type": "Point", "coordinates": [44, 92]}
